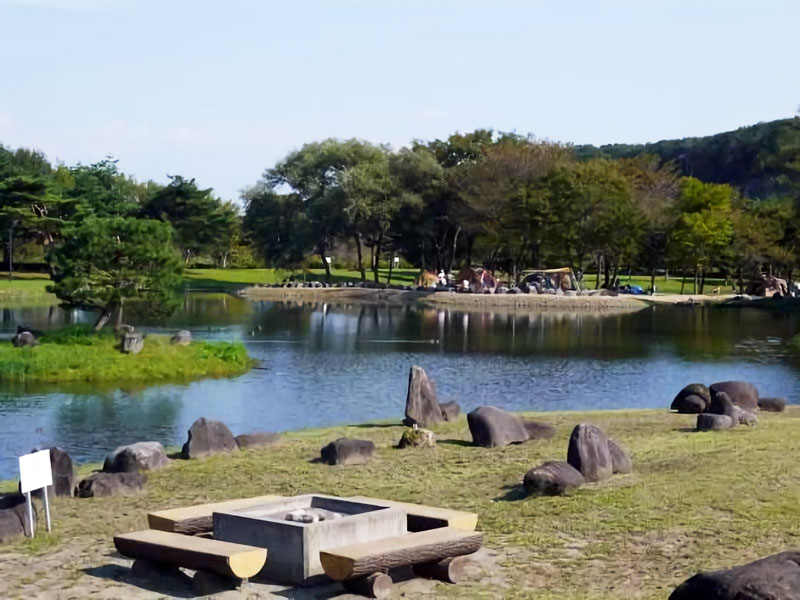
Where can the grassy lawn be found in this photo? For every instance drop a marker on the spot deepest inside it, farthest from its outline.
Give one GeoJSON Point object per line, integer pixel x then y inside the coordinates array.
{"type": "Point", "coordinates": [23, 285]}
{"type": "Point", "coordinates": [74, 354]}
{"type": "Point", "coordinates": [695, 501]}
{"type": "Point", "coordinates": [663, 286]}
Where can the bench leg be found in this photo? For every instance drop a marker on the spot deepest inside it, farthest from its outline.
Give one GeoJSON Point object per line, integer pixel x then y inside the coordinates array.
{"type": "Point", "coordinates": [156, 571]}
{"type": "Point", "coordinates": [377, 585]}
{"type": "Point", "coordinates": [207, 583]}
{"type": "Point", "coordinates": [449, 570]}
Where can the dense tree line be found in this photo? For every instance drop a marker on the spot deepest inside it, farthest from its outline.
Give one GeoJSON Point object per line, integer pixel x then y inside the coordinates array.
{"type": "Point", "coordinates": [106, 237]}
{"type": "Point", "coordinates": [727, 204]}
{"type": "Point", "coordinates": [511, 203]}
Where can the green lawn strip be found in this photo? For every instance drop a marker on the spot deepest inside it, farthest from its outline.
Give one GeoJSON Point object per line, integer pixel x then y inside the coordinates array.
{"type": "Point", "coordinates": [663, 286]}
{"type": "Point", "coordinates": [695, 500]}
{"type": "Point", "coordinates": [233, 278]}
{"type": "Point", "coordinates": [75, 354]}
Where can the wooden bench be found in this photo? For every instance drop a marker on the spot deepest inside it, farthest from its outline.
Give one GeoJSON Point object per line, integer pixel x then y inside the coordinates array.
{"type": "Point", "coordinates": [197, 519]}
{"type": "Point", "coordinates": [162, 547]}
{"type": "Point", "coordinates": [379, 556]}
{"type": "Point", "coordinates": [423, 518]}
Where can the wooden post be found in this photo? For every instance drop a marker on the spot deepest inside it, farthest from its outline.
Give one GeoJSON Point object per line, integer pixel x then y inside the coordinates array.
{"type": "Point", "coordinates": [377, 585]}
{"type": "Point", "coordinates": [449, 570]}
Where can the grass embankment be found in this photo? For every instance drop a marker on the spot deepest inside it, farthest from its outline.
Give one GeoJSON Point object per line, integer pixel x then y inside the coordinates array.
{"type": "Point", "coordinates": [23, 285]}
{"type": "Point", "coordinates": [78, 354]}
{"type": "Point", "coordinates": [227, 278]}
{"type": "Point", "coordinates": [695, 501]}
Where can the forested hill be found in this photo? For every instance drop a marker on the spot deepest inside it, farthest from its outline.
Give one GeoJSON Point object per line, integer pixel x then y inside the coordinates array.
{"type": "Point", "coordinates": [762, 160]}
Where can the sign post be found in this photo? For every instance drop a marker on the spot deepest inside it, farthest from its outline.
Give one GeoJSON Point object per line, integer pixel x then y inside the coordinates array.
{"type": "Point", "coordinates": [35, 474]}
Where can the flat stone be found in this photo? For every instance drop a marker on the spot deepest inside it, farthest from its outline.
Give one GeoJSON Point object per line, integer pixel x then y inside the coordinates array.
{"type": "Point", "coordinates": [450, 410]}
{"type": "Point", "coordinates": [772, 404]}
{"type": "Point", "coordinates": [713, 422]}
{"type": "Point", "coordinates": [100, 485]}
{"type": "Point", "coordinates": [553, 478]}
{"type": "Point", "coordinates": [346, 451]}
{"type": "Point", "coordinates": [491, 426]}
{"type": "Point", "coordinates": [256, 440]}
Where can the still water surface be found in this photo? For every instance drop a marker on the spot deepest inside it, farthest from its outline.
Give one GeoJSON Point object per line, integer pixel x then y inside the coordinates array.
{"type": "Point", "coordinates": [324, 365]}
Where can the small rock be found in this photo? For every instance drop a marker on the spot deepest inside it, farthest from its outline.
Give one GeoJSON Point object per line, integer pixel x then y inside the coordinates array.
{"type": "Point", "coordinates": [772, 404]}
{"type": "Point", "coordinates": [713, 422]}
{"type": "Point", "coordinates": [589, 452]}
{"type": "Point", "coordinates": [450, 410]}
{"type": "Point", "coordinates": [256, 440]}
{"type": "Point", "coordinates": [620, 461]}
{"type": "Point", "coordinates": [100, 485]}
{"type": "Point", "coordinates": [24, 339]}
{"type": "Point", "coordinates": [208, 437]}
{"type": "Point", "coordinates": [132, 343]}
{"type": "Point", "coordinates": [417, 438]}
{"type": "Point", "coordinates": [346, 451]}
{"type": "Point", "coordinates": [745, 417]}
{"type": "Point", "coordinates": [553, 478]}
{"type": "Point", "coordinates": [181, 338]}
{"type": "Point", "coordinates": [721, 404]}
{"type": "Point", "coordinates": [141, 456]}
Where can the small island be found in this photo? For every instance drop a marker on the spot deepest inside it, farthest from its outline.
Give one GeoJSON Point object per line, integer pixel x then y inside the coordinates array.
{"type": "Point", "coordinates": [78, 353]}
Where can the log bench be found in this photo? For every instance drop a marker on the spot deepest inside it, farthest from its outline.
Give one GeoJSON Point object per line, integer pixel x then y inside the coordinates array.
{"type": "Point", "coordinates": [197, 519]}
{"type": "Point", "coordinates": [423, 518]}
{"type": "Point", "coordinates": [359, 561]}
{"type": "Point", "coordinates": [235, 561]}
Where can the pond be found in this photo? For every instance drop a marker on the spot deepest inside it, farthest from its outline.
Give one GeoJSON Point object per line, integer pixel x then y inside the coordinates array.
{"type": "Point", "coordinates": [323, 365]}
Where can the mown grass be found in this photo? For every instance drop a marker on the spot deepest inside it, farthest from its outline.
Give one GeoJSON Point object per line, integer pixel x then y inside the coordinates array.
{"type": "Point", "coordinates": [23, 285]}
{"type": "Point", "coordinates": [695, 501]}
{"type": "Point", "coordinates": [663, 285]}
{"type": "Point", "coordinates": [77, 354]}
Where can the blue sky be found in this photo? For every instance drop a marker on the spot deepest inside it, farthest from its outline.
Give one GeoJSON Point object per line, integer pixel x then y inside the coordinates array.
{"type": "Point", "coordinates": [221, 90]}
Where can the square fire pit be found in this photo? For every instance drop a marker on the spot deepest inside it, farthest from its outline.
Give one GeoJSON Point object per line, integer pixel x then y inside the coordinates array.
{"type": "Point", "coordinates": [295, 529]}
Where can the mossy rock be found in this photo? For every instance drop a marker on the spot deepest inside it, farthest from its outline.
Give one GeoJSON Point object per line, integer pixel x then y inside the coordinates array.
{"type": "Point", "coordinates": [417, 438]}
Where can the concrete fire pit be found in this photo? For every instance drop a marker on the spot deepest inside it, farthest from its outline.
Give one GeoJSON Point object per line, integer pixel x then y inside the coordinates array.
{"type": "Point", "coordinates": [295, 529]}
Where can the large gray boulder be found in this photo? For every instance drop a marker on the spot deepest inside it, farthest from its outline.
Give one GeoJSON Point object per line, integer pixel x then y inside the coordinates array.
{"type": "Point", "coordinates": [713, 422]}
{"type": "Point", "coordinates": [491, 426]}
{"type": "Point", "coordinates": [743, 394]}
{"type": "Point", "coordinates": [208, 437]}
{"type": "Point", "coordinates": [620, 461]}
{"type": "Point", "coordinates": [14, 517]}
{"type": "Point", "coordinates": [775, 577]}
{"type": "Point", "coordinates": [588, 452]}
{"type": "Point", "coordinates": [100, 485]}
{"type": "Point", "coordinates": [141, 456]}
{"type": "Point", "coordinates": [422, 408]}
{"type": "Point", "coordinates": [346, 451]}
{"type": "Point", "coordinates": [772, 404]}
{"type": "Point", "coordinates": [694, 398]}
{"type": "Point", "coordinates": [553, 478]}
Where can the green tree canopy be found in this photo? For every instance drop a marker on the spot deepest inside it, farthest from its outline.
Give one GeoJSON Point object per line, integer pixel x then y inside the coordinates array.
{"type": "Point", "coordinates": [102, 262]}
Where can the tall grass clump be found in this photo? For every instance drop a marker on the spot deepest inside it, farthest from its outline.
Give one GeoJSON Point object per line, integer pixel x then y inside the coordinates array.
{"type": "Point", "coordinates": [77, 353]}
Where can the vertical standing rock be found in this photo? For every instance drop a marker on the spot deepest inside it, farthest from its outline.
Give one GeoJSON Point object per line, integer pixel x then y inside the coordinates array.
{"type": "Point", "coordinates": [422, 408]}
{"type": "Point", "coordinates": [588, 452]}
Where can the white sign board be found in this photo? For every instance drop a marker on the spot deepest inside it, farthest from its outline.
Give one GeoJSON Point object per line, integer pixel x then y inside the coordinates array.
{"type": "Point", "coordinates": [34, 471]}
